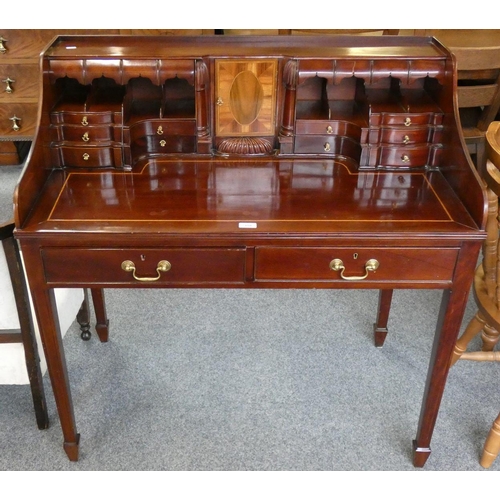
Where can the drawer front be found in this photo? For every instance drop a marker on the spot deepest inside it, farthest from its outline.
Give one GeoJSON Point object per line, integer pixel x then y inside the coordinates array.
{"type": "Point", "coordinates": [18, 121]}
{"type": "Point", "coordinates": [403, 119]}
{"type": "Point", "coordinates": [163, 145]}
{"type": "Point", "coordinates": [326, 144]}
{"type": "Point", "coordinates": [186, 266]}
{"type": "Point", "coordinates": [24, 42]}
{"type": "Point", "coordinates": [401, 136]}
{"type": "Point", "coordinates": [81, 118]}
{"type": "Point", "coordinates": [86, 157]}
{"type": "Point", "coordinates": [396, 265]}
{"type": "Point", "coordinates": [19, 81]}
{"type": "Point", "coordinates": [84, 135]}
{"type": "Point", "coordinates": [404, 157]}
{"type": "Point", "coordinates": [331, 127]}
{"type": "Point", "coordinates": [162, 128]}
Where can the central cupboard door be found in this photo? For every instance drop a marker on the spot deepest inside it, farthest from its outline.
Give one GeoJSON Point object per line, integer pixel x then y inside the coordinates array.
{"type": "Point", "coordinates": [245, 97]}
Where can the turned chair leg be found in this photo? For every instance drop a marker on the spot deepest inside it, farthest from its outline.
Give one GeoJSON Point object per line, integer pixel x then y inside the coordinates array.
{"type": "Point", "coordinates": [83, 316]}
{"type": "Point", "coordinates": [492, 444]}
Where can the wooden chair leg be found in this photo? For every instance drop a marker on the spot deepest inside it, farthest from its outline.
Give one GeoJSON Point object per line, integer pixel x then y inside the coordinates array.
{"type": "Point", "coordinates": [102, 322]}
{"type": "Point", "coordinates": [492, 445]}
{"type": "Point", "coordinates": [476, 324]}
{"type": "Point", "coordinates": [27, 330]}
{"type": "Point", "coordinates": [83, 316]}
{"type": "Point", "coordinates": [380, 327]}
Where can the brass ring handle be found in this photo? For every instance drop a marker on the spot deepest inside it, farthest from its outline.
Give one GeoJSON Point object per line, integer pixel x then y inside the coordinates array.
{"type": "Point", "coordinates": [162, 267]}
{"type": "Point", "coordinates": [370, 266]}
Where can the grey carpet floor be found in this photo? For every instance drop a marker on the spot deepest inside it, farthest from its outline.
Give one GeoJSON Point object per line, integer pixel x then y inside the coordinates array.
{"type": "Point", "coordinates": [253, 380]}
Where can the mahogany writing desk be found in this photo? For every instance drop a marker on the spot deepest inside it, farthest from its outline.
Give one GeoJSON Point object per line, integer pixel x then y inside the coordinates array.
{"type": "Point", "coordinates": [283, 162]}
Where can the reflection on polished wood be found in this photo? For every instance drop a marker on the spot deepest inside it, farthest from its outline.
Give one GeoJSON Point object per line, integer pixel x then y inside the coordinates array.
{"type": "Point", "coordinates": [365, 166]}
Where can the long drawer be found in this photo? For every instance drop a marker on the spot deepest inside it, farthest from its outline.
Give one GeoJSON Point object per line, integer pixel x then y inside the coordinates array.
{"type": "Point", "coordinates": [154, 266]}
{"type": "Point", "coordinates": [302, 264]}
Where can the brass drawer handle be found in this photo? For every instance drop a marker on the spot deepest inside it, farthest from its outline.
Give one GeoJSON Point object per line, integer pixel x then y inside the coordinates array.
{"type": "Point", "coordinates": [3, 48]}
{"type": "Point", "coordinates": [7, 82]}
{"type": "Point", "coordinates": [85, 121]}
{"type": "Point", "coordinates": [370, 266]}
{"type": "Point", "coordinates": [405, 159]}
{"type": "Point", "coordinates": [163, 143]}
{"type": "Point", "coordinates": [159, 130]}
{"type": "Point", "coordinates": [85, 137]}
{"type": "Point", "coordinates": [85, 156]}
{"type": "Point", "coordinates": [406, 139]}
{"type": "Point", "coordinates": [162, 267]}
{"type": "Point", "coordinates": [408, 122]}
{"type": "Point", "coordinates": [329, 129]}
{"type": "Point", "coordinates": [326, 147]}
{"type": "Point", "coordinates": [15, 123]}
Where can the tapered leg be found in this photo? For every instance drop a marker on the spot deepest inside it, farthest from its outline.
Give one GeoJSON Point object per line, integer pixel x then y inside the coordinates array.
{"type": "Point", "coordinates": [46, 312]}
{"type": "Point", "coordinates": [384, 307]}
{"type": "Point", "coordinates": [102, 322]}
{"type": "Point", "coordinates": [492, 445]}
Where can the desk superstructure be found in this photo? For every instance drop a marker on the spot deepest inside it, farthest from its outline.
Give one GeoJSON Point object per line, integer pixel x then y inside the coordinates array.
{"type": "Point", "coordinates": [277, 162]}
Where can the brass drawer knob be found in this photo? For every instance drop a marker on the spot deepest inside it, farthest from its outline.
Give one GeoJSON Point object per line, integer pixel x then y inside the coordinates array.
{"type": "Point", "coordinates": [370, 266]}
{"type": "Point", "coordinates": [162, 267]}
{"type": "Point", "coordinates": [3, 48]}
{"type": "Point", "coordinates": [8, 87]}
{"type": "Point", "coordinates": [15, 123]}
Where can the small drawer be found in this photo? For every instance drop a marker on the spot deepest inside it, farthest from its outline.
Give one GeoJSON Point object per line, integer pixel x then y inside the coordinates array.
{"type": "Point", "coordinates": [19, 81]}
{"type": "Point", "coordinates": [396, 265]}
{"type": "Point", "coordinates": [162, 266]}
{"type": "Point", "coordinates": [401, 136]}
{"type": "Point", "coordinates": [162, 128]}
{"type": "Point", "coordinates": [409, 157]}
{"type": "Point", "coordinates": [326, 144]}
{"type": "Point", "coordinates": [402, 119]}
{"type": "Point", "coordinates": [85, 135]}
{"type": "Point", "coordinates": [18, 121]}
{"type": "Point", "coordinates": [331, 127]}
{"type": "Point", "coordinates": [163, 145]}
{"type": "Point", "coordinates": [86, 156]}
{"type": "Point", "coordinates": [73, 117]}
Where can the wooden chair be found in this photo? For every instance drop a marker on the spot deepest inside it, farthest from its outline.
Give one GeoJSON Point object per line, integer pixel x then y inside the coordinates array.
{"type": "Point", "coordinates": [486, 287]}
{"type": "Point", "coordinates": [477, 54]}
{"type": "Point", "coordinates": [25, 334]}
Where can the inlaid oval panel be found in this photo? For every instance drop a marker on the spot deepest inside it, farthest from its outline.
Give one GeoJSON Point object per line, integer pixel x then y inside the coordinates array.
{"type": "Point", "coordinates": [246, 97]}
